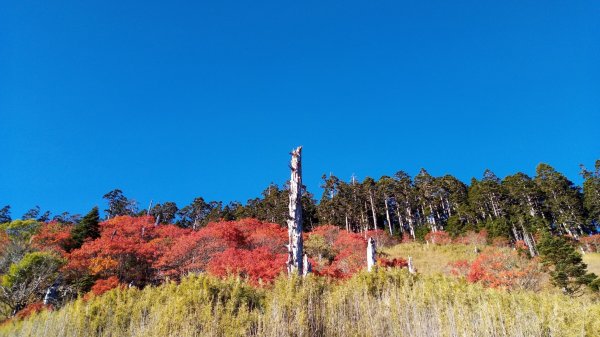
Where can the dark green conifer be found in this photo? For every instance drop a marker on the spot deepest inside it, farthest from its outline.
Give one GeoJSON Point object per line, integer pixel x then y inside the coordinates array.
{"type": "Point", "coordinates": [87, 228]}
{"type": "Point", "coordinates": [566, 267]}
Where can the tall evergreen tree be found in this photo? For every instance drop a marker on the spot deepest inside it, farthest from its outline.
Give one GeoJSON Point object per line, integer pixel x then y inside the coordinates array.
{"type": "Point", "coordinates": [87, 228]}
{"type": "Point", "coordinates": [563, 199]}
{"type": "Point", "coordinates": [164, 213]}
{"type": "Point", "coordinates": [591, 195]}
{"type": "Point", "coordinates": [5, 214]}
{"type": "Point", "coordinates": [567, 269]}
{"type": "Point", "coordinates": [119, 204]}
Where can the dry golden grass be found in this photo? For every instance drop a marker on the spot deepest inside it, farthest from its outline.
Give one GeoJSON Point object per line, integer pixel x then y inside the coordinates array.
{"type": "Point", "coordinates": [430, 258]}
{"type": "Point", "coordinates": [382, 303]}
{"type": "Point", "coordinates": [593, 262]}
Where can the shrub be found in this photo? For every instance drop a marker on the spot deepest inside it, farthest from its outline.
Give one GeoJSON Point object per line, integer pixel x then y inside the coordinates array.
{"type": "Point", "coordinates": [590, 244]}
{"type": "Point", "coordinates": [438, 238]}
{"type": "Point", "coordinates": [473, 238]}
{"type": "Point", "coordinates": [500, 269]}
{"type": "Point", "coordinates": [103, 285]}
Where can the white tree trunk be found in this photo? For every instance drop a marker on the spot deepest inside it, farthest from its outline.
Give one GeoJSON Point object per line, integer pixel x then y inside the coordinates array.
{"type": "Point", "coordinates": [307, 266]}
{"type": "Point", "coordinates": [373, 210]}
{"type": "Point", "coordinates": [295, 244]}
{"type": "Point", "coordinates": [387, 214]}
{"type": "Point", "coordinates": [371, 255]}
{"type": "Point", "coordinates": [411, 268]}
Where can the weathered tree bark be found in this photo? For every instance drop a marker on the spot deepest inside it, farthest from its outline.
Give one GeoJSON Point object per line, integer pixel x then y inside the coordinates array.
{"type": "Point", "coordinates": [371, 255]}
{"type": "Point", "coordinates": [295, 244]}
{"type": "Point", "coordinates": [411, 268]}
{"type": "Point", "coordinates": [387, 214]}
{"type": "Point", "coordinates": [306, 266]}
{"type": "Point", "coordinates": [373, 212]}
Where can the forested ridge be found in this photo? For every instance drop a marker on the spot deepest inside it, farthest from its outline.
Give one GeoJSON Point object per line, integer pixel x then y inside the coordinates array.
{"type": "Point", "coordinates": [512, 207]}
{"type": "Point", "coordinates": [523, 233]}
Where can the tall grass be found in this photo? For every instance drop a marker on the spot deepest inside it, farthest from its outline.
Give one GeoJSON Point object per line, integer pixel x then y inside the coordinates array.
{"type": "Point", "coordinates": [383, 303]}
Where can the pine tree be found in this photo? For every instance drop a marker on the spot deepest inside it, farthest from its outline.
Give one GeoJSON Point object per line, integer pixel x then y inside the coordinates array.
{"type": "Point", "coordinates": [591, 194]}
{"type": "Point", "coordinates": [5, 214]}
{"type": "Point", "coordinates": [88, 228]}
{"type": "Point", "coordinates": [567, 269]}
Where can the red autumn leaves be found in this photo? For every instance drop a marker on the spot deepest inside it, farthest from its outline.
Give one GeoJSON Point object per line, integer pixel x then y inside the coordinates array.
{"type": "Point", "coordinates": [132, 250]}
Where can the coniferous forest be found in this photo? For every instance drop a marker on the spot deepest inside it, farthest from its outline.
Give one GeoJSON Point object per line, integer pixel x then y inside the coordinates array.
{"type": "Point", "coordinates": [401, 255]}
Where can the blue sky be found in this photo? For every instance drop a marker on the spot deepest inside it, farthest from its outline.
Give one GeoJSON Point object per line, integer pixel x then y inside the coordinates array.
{"type": "Point", "coordinates": [173, 100]}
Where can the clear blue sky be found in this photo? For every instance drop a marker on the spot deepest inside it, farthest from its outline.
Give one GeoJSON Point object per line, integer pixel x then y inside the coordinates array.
{"type": "Point", "coordinates": [169, 100]}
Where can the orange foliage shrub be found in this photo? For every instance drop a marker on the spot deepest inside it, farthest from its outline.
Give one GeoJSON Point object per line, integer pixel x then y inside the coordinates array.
{"type": "Point", "coordinates": [127, 248]}
{"type": "Point", "coordinates": [591, 243]}
{"type": "Point", "coordinates": [31, 309]}
{"type": "Point", "coordinates": [393, 263]}
{"type": "Point", "coordinates": [438, 238]}
{"type": "Point", "coordinates": [257, 265]}
{"type": "Point", "coordinates": [406, 238]}
{"type": "Point", "coordinates": [53, 236]}
{"type": "Point", "coordinates": [500, 269]}
{"type": "Point", "coordinates": [382, 238]}
{"type": "Point", "coordinates": [103, 285]}
{"type": "Point", "coordinates": [500, 242]}
{"type": "Point", "coordinates": [194, 252]}
{"type": "Point", "coordinates": [473, 238]}
{"type": "Point", "coordinates": [4, 240]}
{"type": "Point", "coordinates": [349, 249]}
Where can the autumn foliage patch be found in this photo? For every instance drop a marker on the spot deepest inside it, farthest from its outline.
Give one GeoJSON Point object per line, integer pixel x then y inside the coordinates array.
{"type": "Point", "coordinates": [500, 269]}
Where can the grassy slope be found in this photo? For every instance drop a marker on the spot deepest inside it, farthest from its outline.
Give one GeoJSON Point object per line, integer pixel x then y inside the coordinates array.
{"type": "Point", "coordinates": [383, 303]}
{"type": "Point", "coordinates": [380, 304]}
{"type": "Point", "coordinates": [431, 259]}
{"type": "Point", "coordinates": [593, 262]}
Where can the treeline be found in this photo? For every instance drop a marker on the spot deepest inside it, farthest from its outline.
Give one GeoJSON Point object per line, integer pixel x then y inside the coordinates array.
{"type": "Point", "coordinates": [514, 207]}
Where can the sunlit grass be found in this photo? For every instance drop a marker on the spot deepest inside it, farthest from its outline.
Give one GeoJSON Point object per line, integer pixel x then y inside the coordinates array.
{"type": "Point", "coordinates": [430, 258]}
{"type": "Point", "coordinates": [593, 262]}
{"type": "Point", "coordinates": [382, 303]}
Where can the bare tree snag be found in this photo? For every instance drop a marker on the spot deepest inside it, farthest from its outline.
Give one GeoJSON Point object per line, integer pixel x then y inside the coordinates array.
{"type": "Point", "coordinates": [373, 209]}
{"type": "Point", "coordinates": [371, 255]}
{"type": "Point", "coordinates": [411, 268]}
{"type": "Point", "coordinates": [295, 244]}
{"type": "Point", "coordinates": [307, 266]}
{"type": "Point", "coordinates": [387, 214]}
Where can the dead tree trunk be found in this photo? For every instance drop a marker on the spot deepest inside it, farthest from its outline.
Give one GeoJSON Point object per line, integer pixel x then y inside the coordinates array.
{"type": "Point", "coordinates": [294, 222]}
{"type": "Point", "coordinates": [307, 266]}
{"type": "Point", "coordinates": [373, 209]}
{"type": "Point", "coordinates": [371, 255]}
{"type": "Point", "coordinates": [411, 268]}
{"type": "Point", "coordinates": [387, 214]}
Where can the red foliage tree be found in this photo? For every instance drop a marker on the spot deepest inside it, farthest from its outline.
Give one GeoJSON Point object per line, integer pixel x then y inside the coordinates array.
{"type": "Point", "coordinates": [127, 248]}
{"type": "Point", "coordinates": [53, 236]}
{"type": "Point", "coordinates": [349, 251]}
{"type": "Point", "coordinates": [257, 265]}
{"type": "Point", "coordinates": [194, 252]}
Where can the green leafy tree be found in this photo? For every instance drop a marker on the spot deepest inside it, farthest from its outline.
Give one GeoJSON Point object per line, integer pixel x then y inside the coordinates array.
{"type": "Point", "coordinates": [26, 280]}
